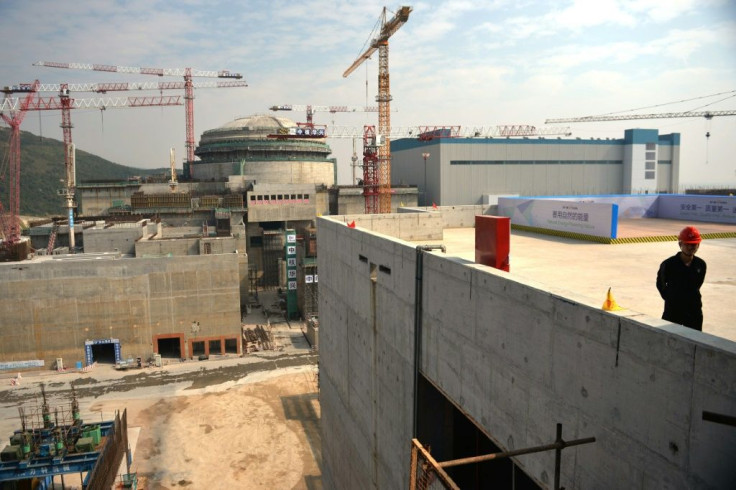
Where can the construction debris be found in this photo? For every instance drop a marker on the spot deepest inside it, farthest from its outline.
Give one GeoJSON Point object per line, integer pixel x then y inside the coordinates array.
{"type": "Point", "coordinates": [258, 339]}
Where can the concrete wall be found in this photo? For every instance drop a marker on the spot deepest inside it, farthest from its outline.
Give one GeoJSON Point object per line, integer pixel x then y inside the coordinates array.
{"type": "Point", "coordinates": [121, 238]}
{"type": "Point", "coordinates": [517, 359]}
{"type": "Point", "coordinates": [48, 309]}
{"type": "Point", "coordinates": [407, 226]}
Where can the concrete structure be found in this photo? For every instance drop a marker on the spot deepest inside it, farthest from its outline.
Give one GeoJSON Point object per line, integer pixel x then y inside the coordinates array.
{"type": "Point", "coordinates": [51, 307]}
{"type": "Point", "coordinates": [471, 360]}
{"type": "Point", "coordinates": [350, 199]}
{"type": "Point", "coordinates": [462, 171]}
{"type": "Point", "coordinates": [248, 184]}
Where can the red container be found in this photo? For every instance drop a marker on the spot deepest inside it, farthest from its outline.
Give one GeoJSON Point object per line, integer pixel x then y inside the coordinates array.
{"type": "Point", "coordinates": [493, 241]}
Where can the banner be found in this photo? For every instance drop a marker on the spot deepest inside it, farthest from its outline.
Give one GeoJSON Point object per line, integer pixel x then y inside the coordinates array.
{"type": "Point", "coordinates": [686, 207]}
{"type": "Point", "coordinates": [584, 217]}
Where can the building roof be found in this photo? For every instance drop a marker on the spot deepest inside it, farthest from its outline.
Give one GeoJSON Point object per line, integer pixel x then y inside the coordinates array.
{"type": "Point", "coordinates": [588, 269]}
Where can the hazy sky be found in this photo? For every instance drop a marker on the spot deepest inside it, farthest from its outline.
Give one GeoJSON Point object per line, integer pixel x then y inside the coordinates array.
{"type": "Point", "coordinates": [468, 63]}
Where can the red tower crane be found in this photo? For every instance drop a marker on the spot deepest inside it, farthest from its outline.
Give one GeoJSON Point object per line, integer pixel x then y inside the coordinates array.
{"type": "Point", "coordinates": [64, 103]}
{"type": "Point", "coordinates": [187, 85]}
{"type": "Point", "coordinates": [9, 220]}
{"type": "Point", "coordinates": [379, 183]}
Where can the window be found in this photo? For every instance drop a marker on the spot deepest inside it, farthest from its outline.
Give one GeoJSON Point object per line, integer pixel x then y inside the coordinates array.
{"type": "Point", "coordinates": [649, 175]}
{"type": "Point", "coordinates": [649, 165]}
{"type": "Point", "coordinates": [651, 146]}
{"type": "Point", "coordinates": [651, 155]}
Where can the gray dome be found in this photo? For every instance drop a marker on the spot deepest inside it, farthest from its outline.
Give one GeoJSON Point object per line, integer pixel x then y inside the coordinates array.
{"type": "Point", "coordinates": [258, 121]}
{"type": "Point", "coordinates": [251, 138]}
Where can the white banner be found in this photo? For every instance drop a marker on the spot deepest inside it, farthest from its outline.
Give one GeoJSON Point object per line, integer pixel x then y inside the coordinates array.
{"type": "Point", "coordinates": [585, 217]}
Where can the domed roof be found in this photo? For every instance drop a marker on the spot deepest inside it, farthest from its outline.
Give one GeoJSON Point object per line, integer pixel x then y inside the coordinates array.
{"type": "Point", "coordinates": [259, 121]}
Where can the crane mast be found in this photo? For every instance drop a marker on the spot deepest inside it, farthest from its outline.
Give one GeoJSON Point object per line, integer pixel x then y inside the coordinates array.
{"type": "Point", "coordinates": [379, 182]}
{"type": "Point", "coordinates": [9, 219]}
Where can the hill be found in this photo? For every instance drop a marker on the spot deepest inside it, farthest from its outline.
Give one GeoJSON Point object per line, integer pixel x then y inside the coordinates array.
{"type": "Point", "coordinates": [42, 167]}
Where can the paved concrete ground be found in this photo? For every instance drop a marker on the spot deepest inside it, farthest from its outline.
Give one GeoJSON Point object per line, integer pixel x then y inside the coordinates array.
{"type": "Point", "coordinates": [589, 269]}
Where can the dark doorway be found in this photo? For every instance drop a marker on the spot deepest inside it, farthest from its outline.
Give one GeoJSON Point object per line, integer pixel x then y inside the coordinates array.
{"type": "Point", "coordinates": [198, 348]}
{"type": "Point", "coordinates": [451, 435]}
{"type": "Point", "coordinates": [215, 347]}
{"type": "Point", "coordinates": [231, 346]}
{"type": "Point", "coordinates": [103, 353]}
{"type": "Point", "coordinates": [169, 348]}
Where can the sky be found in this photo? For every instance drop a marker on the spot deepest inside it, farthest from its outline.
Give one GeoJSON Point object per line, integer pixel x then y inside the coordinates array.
{"type": "Point", "coordinates": [476, 63]}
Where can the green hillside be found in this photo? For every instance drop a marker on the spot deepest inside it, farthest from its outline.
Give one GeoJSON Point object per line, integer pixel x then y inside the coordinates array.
{"type": "Point", "coordinates": [42, 167]}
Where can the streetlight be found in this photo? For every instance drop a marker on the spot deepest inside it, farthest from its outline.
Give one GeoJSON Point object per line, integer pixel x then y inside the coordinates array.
{"type": "Point", "coordinates": [425, 156]}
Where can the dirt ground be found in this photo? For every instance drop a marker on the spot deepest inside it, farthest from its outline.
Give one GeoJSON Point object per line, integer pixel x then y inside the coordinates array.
{"type": "Point", "coordinates": [245, 422]}
{"type": "Point", "coordinates": [263, 434]}
{"type": "Point", "coordinates": [259, 431]}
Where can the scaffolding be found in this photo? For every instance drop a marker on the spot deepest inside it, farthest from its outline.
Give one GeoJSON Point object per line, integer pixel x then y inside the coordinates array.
{"type": "Point", "coordinates": [273, 254]}
{"type": "Point", "coordinates": [427, 474]}
{"type": "Point", "coordinates": [308, 288]}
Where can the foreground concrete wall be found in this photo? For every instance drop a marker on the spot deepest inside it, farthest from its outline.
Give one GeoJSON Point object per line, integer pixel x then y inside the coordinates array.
{"type": "Point", "coordinates": [366, 376]}
{"type": "Point", "coordinates": [517, 359]}
{"type": "Point", "coordinates": [48, 309]}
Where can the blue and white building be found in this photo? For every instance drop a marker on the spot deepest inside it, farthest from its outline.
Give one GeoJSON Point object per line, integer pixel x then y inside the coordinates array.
{"type": "Point", "coordinates": [461, 171]}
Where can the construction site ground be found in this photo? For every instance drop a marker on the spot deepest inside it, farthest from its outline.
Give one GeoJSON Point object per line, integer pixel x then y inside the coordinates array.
{"type": "Point", "coordinates": [248, 421]}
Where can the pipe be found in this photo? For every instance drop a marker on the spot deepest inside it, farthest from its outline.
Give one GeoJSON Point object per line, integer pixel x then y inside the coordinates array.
{"type": "Point", "coordinates": [507, 454]}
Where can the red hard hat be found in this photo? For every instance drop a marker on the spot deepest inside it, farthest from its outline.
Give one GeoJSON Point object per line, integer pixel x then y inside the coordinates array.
{"type": "Point", "coordinates": [689, 234]}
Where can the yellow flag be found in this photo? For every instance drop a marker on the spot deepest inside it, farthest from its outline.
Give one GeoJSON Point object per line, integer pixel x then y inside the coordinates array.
{"type": "Point", "coordinates": [610, 304]}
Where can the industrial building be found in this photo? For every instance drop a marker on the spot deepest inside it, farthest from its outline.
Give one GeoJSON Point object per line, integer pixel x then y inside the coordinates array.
{"type": "Point", "coordinates": [455, 171]}
{"type": "Point", "coordinates": [470, 361]}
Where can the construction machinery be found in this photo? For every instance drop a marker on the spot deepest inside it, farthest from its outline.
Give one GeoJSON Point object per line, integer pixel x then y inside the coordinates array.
{"type": "Point", "coordinates": [377, 183]}
{"type": "Point", "coordinates": [311, 109]}
{"type": "Point", "coordinates": [9, 220]}
{"type": "Point", "coordinates": [631, 117]}
{"type": "Point", "coordinates": [64, 103]}
{"type": "Point", "coordinates": [173, 183]}
{"type": "Point", "coordinates": [707, 115]}
{"type": "Point", "coordinates": [187, 85]}
{"type": "Point", "coordinates": [429, 132]}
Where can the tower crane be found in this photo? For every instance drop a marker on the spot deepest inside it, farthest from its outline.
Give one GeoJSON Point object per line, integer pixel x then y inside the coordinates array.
{"type": "Point", "coordinates": [64, 103]}
{"type": "Point", "coordinates": [311, 109]}
{"type": "Point", "coordinates": [631, 117]}
{"type": "Point", "coordinates": [427, 133]}
{"type": "Point", "coordinates": [9, 220]}
{"type": "Point", "coordinates": [708, 115]}
{"type": "Point", "coordinates": [187, 85]}
{"type": "Point", "coordinates": [378, 184]}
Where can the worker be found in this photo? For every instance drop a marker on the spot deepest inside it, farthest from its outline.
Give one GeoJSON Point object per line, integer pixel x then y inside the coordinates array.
{"type": "Point", "coordinates": [679, 279]}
